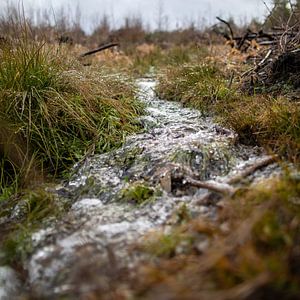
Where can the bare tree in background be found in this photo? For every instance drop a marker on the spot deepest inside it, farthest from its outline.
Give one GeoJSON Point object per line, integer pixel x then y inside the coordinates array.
{"type": "Point", "coordinates": [162, 20]}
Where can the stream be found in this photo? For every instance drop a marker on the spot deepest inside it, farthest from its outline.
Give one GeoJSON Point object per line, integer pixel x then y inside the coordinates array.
{"type": "Point", "coordinates": [96, 238]}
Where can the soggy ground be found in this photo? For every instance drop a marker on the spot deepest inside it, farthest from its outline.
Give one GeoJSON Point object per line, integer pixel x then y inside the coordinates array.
{"type": "Point", "coordinates": [119, 196]}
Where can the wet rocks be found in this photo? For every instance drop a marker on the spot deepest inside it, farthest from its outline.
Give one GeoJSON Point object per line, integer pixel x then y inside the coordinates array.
{"type": "Point", "coordinates": [9, 283]}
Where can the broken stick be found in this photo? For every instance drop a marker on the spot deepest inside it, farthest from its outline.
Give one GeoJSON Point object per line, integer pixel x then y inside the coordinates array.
{"type": "Point", "coordinates": [226, 188]}
{"type": "Point", "coordinates": [251, 169]}
{"type": "Point", "coordinates": [101, 48]}
{"type": "Point", "coordinates": [218, 187]}
{"type": "Point", "coordinates": [228, 25]}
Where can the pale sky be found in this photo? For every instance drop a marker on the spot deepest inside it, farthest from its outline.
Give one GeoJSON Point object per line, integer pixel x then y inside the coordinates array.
{"type": "Point", "coordinates": [173, 12]}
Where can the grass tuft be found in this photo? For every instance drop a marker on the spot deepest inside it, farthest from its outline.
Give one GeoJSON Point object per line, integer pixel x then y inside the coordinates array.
{"type": "Point", "coordinates": [198, 86]}
{"type": "Point", "coordinates": [53, 112]}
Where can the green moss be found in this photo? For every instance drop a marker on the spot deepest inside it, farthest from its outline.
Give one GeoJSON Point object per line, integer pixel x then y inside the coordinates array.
{"type": "Point", "coordinates": [167, 245]}
{"type": "Point", "coordinates": [205, 159]}
{"type": "Point", "coordinates": [273, 240]}
{"type": "Point", "coordinates": [182, 214]}
{"type": "Point", "coordinates": [139, 193]}
{"type": "Point", "coordinates": [128, 157]}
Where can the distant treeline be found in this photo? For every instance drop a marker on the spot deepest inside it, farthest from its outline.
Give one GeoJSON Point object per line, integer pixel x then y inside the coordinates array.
{"type": "Point", "coordinates": [65, 26]}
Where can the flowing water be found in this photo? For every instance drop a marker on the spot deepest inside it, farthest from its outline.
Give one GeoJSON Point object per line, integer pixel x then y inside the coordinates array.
{"type": "Point", "coordinates": [96, 238]}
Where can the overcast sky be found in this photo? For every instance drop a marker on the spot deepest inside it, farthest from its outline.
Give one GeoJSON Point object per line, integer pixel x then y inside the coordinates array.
{"type": "Point", "coordinates": [174, 12]}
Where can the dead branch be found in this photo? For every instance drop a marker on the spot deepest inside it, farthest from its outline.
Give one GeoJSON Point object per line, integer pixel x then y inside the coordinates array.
{"type": "Point", "coordinates": [218, 187]}
{"type": "Point", "coordinates": [226, 188]}
{"type": "Point", "coordinates": [262, 62]}
{"type": "Point", "coordinates": [282, 36]}
{"type": "Point", "coordinates": [251, 169]}
{"type": "Point", "coordinates": [101, 48]}
{"type": "Point", "coordinates": [228, 25]}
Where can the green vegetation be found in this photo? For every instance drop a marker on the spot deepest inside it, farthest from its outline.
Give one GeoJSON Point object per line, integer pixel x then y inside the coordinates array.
{"type": "Point", "coordinates": [167, 245]}
{"type": "Point", "coordinates": [254, 245]}
{"type": "Point", "coordinates": [149, 57]}
{"type": "Point", "coordinates": [197, 85]}
{"type": "Point", "coordinates": [139, 193]}
{"type": "Point", "coordinates": [177, 240]}
{"type": "Point", "coordinates": [273, 122]}
{"type": "Point", "coordinates": [32, 209]}
{"type": "Point", "coordinates": [53, 112]}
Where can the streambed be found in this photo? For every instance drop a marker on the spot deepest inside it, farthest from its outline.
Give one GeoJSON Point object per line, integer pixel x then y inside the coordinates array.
{"type": "Point", "coordinates": [97, 237]}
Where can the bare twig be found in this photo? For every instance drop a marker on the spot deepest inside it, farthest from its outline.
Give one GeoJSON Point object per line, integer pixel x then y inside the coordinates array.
{"type": "Point", "coordinates": [262, 62]}
{"type": "Point", "coordinates": [218, 187]}
{"type": "Point", "coordinates": [228, 25]}
{"type": "Point", "coordinates": [226, 188]}
{"type": "Point", "coordinates": [101, 48]}
{"type": "Point", "coordinates": [251, 169]}
{"type": "Point", "coordinates": [230, 80]}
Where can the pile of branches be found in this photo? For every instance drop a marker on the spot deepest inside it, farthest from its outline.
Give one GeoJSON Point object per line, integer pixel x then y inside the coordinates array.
{"type": "Point", "coordinates": [274, 69]}
{"type": "Point", "coordinates": [277, 63]}
{"type": "Point", "coordinates": [261, 38]}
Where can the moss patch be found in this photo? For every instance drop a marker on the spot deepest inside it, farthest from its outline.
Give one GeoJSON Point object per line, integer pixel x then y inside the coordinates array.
{"type": "Point", "coordinates": [139, 193]}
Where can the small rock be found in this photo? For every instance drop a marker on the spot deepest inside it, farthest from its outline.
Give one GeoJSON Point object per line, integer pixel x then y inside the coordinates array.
{"type": "Point", "coordinates": [202, 246]}
{"type": "Point", "coordinates": [9, 283]}
{"type": "Point", "coordinates": [225, 227]}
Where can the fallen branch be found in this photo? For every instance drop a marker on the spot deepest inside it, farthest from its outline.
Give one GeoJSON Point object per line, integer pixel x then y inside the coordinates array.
{"type": "Point", "coordinates": [101, 48]}
{"type": "Point", "coordinates": [218, 187]}
{"type": "Point", "coordinates": [251, 169]}
{"type": "Point", "coordinates": [226, 188]}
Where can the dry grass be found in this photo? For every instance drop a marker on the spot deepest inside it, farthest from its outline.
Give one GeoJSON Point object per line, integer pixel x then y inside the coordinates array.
{"type": "Point", "coordinates": [253, 250]}
{"type": "Point", "coordinates": [271, 122]}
